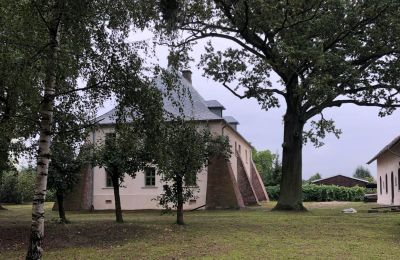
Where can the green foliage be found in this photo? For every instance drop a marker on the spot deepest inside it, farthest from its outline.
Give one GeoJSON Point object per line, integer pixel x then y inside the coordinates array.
{"type": "Point", "coordinates": [273, 192]}
{"type": "Point", "coordinates": [26, 184]}
{"type": "Point", "coordinates": [186, 149]}
{"type": "Point", "coordinates": [8, 189]}
{"type": "Point", "coordinates": [269, 166]}
{"type": "Point", "coordinates": [326, 54]}
{"type": "Point", "coordinates": [64, 167]}
{"type": "Point", "coordinates": [17, 187]}
{"type": "Point", "coordinates": [136, 138]}
{"type": "Point", "coordinates": [277, 171]}
{"type": "Point", "coordinates": [312, 192]}
{"type": "Point", "coordinates": [363, 173]}
{"type": "Point", "coordinates": [263, 161]}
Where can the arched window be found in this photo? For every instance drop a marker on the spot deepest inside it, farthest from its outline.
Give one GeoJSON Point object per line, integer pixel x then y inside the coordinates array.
{"type": "Point", "coordinates": [386, 184]}
{"type": "Point", "coordinates": [398, 179]}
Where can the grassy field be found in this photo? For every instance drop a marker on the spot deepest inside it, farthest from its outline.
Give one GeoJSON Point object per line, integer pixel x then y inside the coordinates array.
{"type": "Point", "coordinates": [255, 233]}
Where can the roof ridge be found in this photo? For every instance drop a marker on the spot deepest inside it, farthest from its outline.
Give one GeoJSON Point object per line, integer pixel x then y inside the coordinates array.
{"type": "Point", "coordinates": [340, 175]}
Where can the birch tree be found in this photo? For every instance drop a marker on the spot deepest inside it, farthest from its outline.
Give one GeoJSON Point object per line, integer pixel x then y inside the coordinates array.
{"type": "Point", "coordinates": [67, 40]}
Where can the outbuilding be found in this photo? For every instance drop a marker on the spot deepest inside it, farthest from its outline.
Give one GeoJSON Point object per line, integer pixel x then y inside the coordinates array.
{"type": "Point", "coordinates": [341, 180]}
{"type": "Point", "coordinates": [388, 173]}
{"type": "Point", "coordinates": [232, 183]}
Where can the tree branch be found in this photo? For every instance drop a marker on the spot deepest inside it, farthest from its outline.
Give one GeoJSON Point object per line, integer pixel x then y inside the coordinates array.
{"type": "Point", "coordinates": [41, 15]}
{"type": "Point", "coordinates": [233, 92]}
{"type": "Point", "coordinates": [338, 103]}
{"type": "Point", "coordinates": [92, 86]}
{"type": "Point", "coordinates": [299, 21]}
{"type": "Point", "coordinates": [203, 35]}
{"type": "Point", "coordinates": [343, 34]}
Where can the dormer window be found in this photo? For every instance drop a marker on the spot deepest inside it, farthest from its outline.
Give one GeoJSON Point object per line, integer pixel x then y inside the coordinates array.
{"type": "Point", "coordinates": [231, 121]}
{"type": "Point", "coordinates": [215, 107]}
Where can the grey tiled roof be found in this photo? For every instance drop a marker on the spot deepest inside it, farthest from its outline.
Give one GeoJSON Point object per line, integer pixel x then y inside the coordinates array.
{"type": "Point", "coordinates": [386, 148]}
{"type": "Point", "coordinates": [214, 104]}
{"type": "Point", "coordinates": [193, 105]}
{"type": "Point", "coordinates": [231, 120]}
{"type": "Point", "coordinates": [107, 118]}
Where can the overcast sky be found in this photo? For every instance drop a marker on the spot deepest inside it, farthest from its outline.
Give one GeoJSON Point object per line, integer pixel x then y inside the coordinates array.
{"type": "Point", "coordinates": [364, 133]}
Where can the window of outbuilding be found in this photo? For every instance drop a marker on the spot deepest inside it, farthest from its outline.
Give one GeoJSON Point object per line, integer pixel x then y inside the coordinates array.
{"type": "Point", "coordinates": [386, 183]}
{"type": "Point", "coordinates": [150, 176]}
{"type": "Point", "coordinates": [108, 179]}
{"type": "Point", "coordinates": [191, 180]}
{"type": "Point", "coordinates": [380, 184]}
{"type": "Point", "coordinates": [398, 179]}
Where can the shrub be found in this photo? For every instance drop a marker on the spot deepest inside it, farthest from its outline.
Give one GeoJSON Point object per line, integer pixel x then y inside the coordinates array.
{"type": "Point", "coordinates": [19, 187]}
{"type": "Point", "coordinates": [312, 192]}
{"type": "Point", "coordinates": [9, 188]}
{"type": "Point", "coordinates": [26, 185]}
{"type": "Point", "coordinates": [273, 192]}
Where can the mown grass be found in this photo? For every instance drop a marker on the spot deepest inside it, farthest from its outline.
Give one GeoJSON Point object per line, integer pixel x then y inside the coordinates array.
{"type": "Point", "coordinates": [256, 233]}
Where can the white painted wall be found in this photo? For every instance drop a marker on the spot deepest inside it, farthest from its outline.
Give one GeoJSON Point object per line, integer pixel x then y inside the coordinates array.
{"type": "Point", "coordinates": [135, 195]}
{"type": "Point", "coordinates": [387, 163]}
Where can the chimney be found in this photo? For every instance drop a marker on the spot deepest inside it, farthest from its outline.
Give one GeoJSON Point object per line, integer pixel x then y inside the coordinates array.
{"type": "Point", "coordinates": [187, 74]}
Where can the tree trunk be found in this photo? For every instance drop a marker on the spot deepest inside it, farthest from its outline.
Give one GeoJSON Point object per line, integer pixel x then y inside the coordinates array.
{"type": "Point", "coordinates": [61, 211]}
{"type": "Point", "coordinates": [291, 194]}
{"type": "Point", "coordinates": [179, 208]}
{"type": "Point", "coordinates": [35, 249]}
{"type": "Point", "coordinates": [118, 210]}
{"type": "Point", "coordinates": [4, 147]}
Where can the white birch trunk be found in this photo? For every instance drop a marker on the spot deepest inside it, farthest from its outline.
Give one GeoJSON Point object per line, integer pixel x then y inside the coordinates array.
{"type": "Point", "coordinates": [46, 111]}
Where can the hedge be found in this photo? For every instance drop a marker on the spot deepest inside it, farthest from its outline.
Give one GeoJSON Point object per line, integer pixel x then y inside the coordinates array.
{"type": "Point", "coordinates": [312, 192]}
{"type": "Point", "coordinates": [18, 188]}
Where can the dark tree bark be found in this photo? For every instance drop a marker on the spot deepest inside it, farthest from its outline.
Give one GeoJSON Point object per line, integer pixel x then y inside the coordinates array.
{"type": "Point", "coordinates": [179, 208]}
{"type": "Point", "coordinates": [3, 165]}
{"type": "Point", "coordinates": [118, 210]}
{"type": "Point", "coordinates": [291, 194]}
{"type": "Point", "coordinates": [4, 143]}
{"type": "Point", "coordinates": [61, 210]}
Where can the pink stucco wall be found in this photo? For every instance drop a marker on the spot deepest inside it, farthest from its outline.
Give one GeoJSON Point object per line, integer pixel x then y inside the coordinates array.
{"type": "Point", "coordinates": [388, 163]}
{"type": "Point", "coordinates": [135, 195]}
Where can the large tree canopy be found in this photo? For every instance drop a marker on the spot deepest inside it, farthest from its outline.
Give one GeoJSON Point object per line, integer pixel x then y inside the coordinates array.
{"type": "Point", "coordinates": [326, 53]}
{"type": "Point", "coordinates": [63, 41]}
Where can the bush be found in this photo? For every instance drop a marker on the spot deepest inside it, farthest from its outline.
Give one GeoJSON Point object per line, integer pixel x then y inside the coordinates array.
{"type": "Point", "coordinates": [273, 192]}
{"type": "Point", "coordinates": [19, 187]}
{"type": "Point", "coordinates": [26, 185]}
{"type": "Point", "coordinates": [312, 192]}
{"type": "Point", "coordinates": [9, 188]}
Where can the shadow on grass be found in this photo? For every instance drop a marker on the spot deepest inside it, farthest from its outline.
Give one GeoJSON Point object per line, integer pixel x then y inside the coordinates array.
{"type": "Point", "coordinates": [89, 234]}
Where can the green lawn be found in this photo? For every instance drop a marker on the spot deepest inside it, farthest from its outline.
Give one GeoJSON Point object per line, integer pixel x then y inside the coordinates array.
{"type": "Point", "coordinates": [256, 233]}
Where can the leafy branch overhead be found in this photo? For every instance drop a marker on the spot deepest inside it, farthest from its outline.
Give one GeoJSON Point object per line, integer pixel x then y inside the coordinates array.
{"type": "Point", "coordinates": [325, 53]}
{"type": "Point", "coordinates": [335, 58]}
